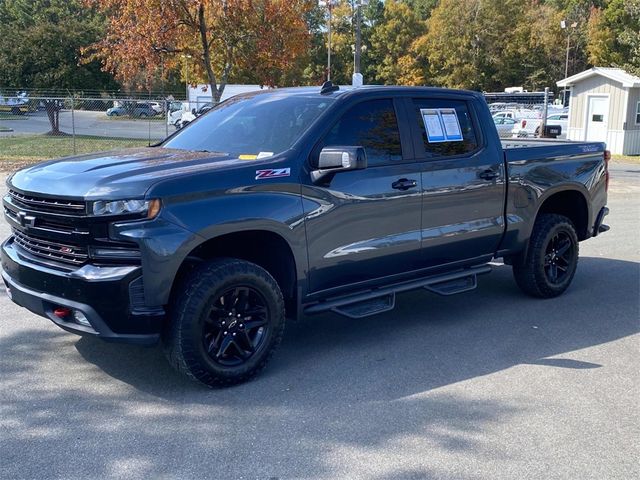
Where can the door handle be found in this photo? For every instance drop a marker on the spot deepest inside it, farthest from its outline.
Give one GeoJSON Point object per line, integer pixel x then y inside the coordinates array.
{"type": "Point", "coordinates": [404, 184]}
{"type": "Point", "coordinates": [488, 174]}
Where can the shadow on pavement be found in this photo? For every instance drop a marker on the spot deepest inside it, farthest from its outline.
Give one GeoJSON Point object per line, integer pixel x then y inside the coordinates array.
{"type": "Point", "coordinates": [335, 384]}
{"type": "Point", "coordinates": [427, 342]}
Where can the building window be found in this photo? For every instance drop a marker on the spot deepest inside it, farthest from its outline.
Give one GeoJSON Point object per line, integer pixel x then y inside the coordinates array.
{"type": "Point", "coordinates": [638, 113]}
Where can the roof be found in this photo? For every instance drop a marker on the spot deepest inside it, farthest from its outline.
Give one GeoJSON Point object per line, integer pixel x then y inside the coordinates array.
{"type": "Point", "coordinates": [615, 74]}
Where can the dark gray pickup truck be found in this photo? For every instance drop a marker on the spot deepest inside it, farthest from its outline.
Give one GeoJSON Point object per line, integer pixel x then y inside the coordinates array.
{"type": "Point", "coordinates": [293, 202]}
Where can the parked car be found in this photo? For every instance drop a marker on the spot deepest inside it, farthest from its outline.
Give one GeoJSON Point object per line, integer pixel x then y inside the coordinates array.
{"type": "Point", "coordinates": [143, 110]}
{"type": "Point", "coordinates": [188, 117]}
{"type": "Point", "coordinates": [561, 119]}
{"type": "Point", "coordinates": [157, 106]}
{"type": "Point", "coordinates": [174, 117]}
{"type": "Point", "coordinates": [527, 124]}
{"type": "Point", "coordinates": [294, 202]}
{"type": "Point", "coordinates": [116, 111]}
{"type": "Point", "coordinates": [504, 125]}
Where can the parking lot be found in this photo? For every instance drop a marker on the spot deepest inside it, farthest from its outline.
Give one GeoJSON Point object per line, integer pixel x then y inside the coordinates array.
{"type": "Point", "coordinates": [85, 122]}
{"type": "Point", "coordinates": [490, 384]}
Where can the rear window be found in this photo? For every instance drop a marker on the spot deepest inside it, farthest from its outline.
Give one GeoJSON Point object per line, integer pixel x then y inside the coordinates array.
{"type": "Point", "coordinates": [449, 138]}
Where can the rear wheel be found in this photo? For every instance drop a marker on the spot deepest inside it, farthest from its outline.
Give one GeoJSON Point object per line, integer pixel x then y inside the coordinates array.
{"type": "Point", "coordinates": [552, 257]}
{"type": "Point", "coordinates": [226, 323]}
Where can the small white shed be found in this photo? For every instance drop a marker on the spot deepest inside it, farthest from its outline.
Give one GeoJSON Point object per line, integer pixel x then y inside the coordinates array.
{"type": "Point", "coordinates": [605, 106]}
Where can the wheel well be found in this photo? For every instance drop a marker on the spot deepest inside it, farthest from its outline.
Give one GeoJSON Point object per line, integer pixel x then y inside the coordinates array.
{"type": "Point", "coordinates": [571, 204]}
{"type": "Point", "coordinates": [266, 249]}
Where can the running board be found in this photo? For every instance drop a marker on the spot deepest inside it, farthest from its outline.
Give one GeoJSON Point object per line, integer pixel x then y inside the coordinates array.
{"type": "Point", "coordinates": [383, 299]}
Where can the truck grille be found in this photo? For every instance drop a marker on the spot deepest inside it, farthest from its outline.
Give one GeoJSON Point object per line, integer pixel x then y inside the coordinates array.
{"type": "Point", "coordinates": [48, 204]}
{"type": "Point", "coordinates": [71, 254]}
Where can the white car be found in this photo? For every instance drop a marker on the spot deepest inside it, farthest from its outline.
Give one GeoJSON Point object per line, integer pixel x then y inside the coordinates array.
{"type": "Point", "coordinates": [527, 124]}
{"type": "Point", "coordinates": [504, 125]}
{"type": "Point", "coordinates": [561, 119]}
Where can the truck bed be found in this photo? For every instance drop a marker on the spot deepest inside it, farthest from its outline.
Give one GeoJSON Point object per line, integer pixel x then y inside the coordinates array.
{"type": "Point", "coordinates": [516, 150]}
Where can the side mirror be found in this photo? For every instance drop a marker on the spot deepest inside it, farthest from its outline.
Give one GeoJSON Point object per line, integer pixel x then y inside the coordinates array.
{"type": "Point", "coordinates": [193, 111]}
{"type": "Point", "coordinates": [339, 159]}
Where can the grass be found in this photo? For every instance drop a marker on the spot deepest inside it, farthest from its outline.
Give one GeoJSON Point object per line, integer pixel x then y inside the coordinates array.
{"type": "Point", "coordinates": [626, 158]}
{"type": "Point", "coordinates": [11, 116]}
{"type": "Point", "coordinates": [17, 151]}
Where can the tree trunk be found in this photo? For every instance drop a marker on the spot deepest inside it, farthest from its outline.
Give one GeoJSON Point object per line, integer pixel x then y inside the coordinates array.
{"type": "Point", "coordinates": [52, 107]}
{"type": "Point", "coordinates": [206, 55]}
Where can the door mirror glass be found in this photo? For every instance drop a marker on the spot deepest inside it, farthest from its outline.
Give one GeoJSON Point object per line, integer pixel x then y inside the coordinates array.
{"type": "Point", "coordinates": [339, 159]}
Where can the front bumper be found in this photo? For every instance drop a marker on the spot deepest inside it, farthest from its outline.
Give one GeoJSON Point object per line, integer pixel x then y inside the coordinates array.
{"type": "Point", "coordinates": [105, 295]}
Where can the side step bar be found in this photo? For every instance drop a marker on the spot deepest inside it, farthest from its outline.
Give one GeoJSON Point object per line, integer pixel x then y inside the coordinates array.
{"type": "Point", "coordinates": [383, 299]}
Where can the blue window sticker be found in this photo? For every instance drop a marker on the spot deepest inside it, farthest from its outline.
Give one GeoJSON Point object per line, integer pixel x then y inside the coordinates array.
{"type": "Point", "coordinates": [433, 125]}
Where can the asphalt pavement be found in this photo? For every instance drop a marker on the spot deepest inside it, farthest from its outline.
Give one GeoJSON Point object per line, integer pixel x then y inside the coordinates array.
{"type": "Point", "coordinates": [486, 385]}
{"type": "Point", "coordinates": [85, 122]}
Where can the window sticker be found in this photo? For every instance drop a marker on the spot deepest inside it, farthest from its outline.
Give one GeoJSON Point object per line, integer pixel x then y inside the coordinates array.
{"type": "Point", "coordinates": [451, 125]}
{"type": "Point", "coordinates": [441, 124]}
{"type": "Point", "coordinates": [433, 125]}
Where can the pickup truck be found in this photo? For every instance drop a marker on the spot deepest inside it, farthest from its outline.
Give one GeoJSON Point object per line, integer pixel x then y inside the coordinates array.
{"type": "Point", "coordinates": [291, 202]}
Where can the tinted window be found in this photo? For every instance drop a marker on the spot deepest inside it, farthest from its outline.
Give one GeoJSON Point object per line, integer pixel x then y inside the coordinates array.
{"type": "Point", "coordinates": [372, 125]}
{"type": "Point", "coordinates": [262, 124]}
{"type": "Point", "coordinates": [469, 140]}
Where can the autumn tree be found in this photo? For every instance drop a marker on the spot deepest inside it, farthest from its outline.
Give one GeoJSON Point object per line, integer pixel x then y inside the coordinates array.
{"type": "Point", "coordinates": [220, 36]}
{"type": "Point", "coordinates": [466, 41]}
{"type": "Point", "coordinates": [614, 33]}
{"type": "Point", "coordinates": [396, 46]}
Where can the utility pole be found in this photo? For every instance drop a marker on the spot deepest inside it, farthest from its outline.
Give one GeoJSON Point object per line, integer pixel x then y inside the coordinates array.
{"type": "Point", "coordinates": [357, 52]}
{"type": "Point", "coordinates": [563, 25]}
{"type": "Point", "coordinates": [329, 4]}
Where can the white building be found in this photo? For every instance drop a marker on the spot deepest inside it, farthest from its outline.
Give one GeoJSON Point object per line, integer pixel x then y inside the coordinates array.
{"type": "Point", "coordinates": [605, 106]}
{"type": "Point", "coordinates": [201, 94]}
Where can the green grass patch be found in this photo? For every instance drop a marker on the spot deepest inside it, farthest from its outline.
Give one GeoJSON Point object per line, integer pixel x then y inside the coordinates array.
{"type": "Point", "coordinates": [23, 149]}
{"type": "Point", "coordinates": [10, 116]}
{"type": "Point", "coordinates": [626, 158]}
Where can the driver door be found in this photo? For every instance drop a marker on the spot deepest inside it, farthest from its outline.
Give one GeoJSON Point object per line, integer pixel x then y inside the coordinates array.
{"type": "Point", "coordinates": [365, 224]}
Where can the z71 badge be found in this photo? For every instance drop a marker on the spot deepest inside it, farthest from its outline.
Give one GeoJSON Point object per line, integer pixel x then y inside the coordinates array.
{"type": "Point", "coordinates": [273, 173]}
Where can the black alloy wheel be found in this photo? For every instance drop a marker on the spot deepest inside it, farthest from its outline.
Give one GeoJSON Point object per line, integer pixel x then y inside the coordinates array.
{"type": "Point", "coordinates": [551, 259]}
{"type": "Point", "coordinates": [559, 257]}
{"type": "Point", "coordinates": [236, 326]}
{"type": "Point", "coordinates": [226, 319]}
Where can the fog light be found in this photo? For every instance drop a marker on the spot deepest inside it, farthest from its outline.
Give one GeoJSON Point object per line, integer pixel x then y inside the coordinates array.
{"type": "Point", "coordinates": [80, 318]}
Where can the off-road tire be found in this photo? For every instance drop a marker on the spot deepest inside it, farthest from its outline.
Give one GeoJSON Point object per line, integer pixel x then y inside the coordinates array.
{"type": "Point", "coordinates": [183, 337]}
{"type": "Point", "coordinates": [530, 273]}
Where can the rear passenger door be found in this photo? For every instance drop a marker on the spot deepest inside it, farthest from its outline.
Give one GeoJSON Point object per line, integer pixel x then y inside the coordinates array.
{"type": "Point", "coordinates": [463, 181]}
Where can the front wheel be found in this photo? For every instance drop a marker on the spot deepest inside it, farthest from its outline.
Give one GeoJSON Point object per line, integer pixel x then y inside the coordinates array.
{"type": "Point", "coordinates": [225, 323]}
{"type": "Point", "coordinates": [552, 257]}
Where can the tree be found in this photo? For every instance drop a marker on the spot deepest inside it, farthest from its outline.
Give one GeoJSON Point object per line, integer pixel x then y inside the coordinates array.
{"type": "Point", "coordinates": [40, 49]}
{"type": "Point", "coordinates": [466, 42]}
{"type": "Point", "coordinates": [396, 47]}
{"type": "Point", "coordinates": [220, 36]}
{"type": "Point", "coordinates": [613, 35]}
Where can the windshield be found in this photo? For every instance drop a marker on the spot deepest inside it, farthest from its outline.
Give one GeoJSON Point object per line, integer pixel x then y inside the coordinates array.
{"type": "Point", "coordinates": [255, 126]}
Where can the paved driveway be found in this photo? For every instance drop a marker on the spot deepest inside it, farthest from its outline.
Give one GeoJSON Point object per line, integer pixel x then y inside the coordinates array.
{"type": "Point", "coordinates": [490, 384]}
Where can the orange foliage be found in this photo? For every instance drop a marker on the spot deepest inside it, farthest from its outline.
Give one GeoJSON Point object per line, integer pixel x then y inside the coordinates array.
{"type": "Point", "coordinates": [261, 36]}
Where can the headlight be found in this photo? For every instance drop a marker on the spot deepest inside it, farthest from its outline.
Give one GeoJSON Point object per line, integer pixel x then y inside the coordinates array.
{"type": "Point", "coordinates": [123, 207]}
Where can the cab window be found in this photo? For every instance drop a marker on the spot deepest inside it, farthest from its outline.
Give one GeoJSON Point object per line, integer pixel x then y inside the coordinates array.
{"type": "Point", "coordinates": [444, 147]}
{"type": "Point", "coordinates": [373, 125]}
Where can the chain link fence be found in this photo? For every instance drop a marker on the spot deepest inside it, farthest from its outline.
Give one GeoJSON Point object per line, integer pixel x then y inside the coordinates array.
{"type": "Point", "coordinates": [521, 114]}
{"type": "Point", "coordinates": [44, 127]}
{"type": "Point", "coordinates": [50, 127]}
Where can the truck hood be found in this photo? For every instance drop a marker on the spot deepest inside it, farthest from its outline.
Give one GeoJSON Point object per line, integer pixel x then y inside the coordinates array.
{"type": "Point", "coordinates": [112, 175]}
